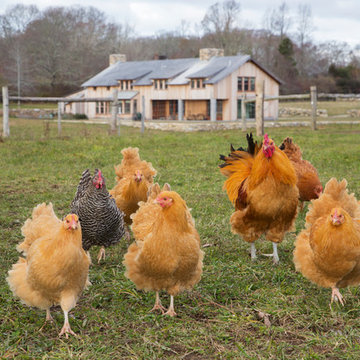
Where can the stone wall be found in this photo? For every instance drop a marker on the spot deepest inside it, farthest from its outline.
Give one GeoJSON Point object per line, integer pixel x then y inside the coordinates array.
{"type": "Point", "coordinates": [32, 113]}
{"type": "Point", "coordinates": [291, 112]}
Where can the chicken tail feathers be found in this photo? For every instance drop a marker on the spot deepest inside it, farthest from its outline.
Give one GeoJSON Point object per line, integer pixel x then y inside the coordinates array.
{"type": "Point", "coordinates": [21, 288]}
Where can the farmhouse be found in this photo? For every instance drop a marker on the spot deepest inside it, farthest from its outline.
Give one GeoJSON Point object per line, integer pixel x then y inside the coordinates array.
{"type": "Point", "coordinates": [210, 87]}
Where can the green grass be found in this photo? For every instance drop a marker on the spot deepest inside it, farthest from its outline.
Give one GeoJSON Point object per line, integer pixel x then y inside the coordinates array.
{"type": "Point", "coordinates": [219, 318]}
{"type": "Point", "coordinates": [333, 108]}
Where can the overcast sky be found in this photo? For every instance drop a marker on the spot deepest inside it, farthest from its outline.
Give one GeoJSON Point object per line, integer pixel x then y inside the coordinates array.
{"type": "Point", "coordinates": [333, 19]}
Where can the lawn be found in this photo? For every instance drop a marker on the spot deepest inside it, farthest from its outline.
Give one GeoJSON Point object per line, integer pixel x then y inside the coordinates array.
{"type": "Point", "coordinates": [221, 317]}
{"type": "Point", "coordinates": [333, 108]}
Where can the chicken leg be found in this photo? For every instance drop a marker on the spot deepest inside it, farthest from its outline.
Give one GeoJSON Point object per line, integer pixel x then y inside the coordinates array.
{"type": "Point", "coordinates": [336, 295]}
{"type": "Point", "coordinates": [66, 328]}
{"type": "Point", "coordinates": [171, 311]}
{"type": "Point", "coordinates": [101, 254]}
{"type": "Point", "coordinates": [253, 251]}
{"type": "Point", "coordinates": [158, 305]}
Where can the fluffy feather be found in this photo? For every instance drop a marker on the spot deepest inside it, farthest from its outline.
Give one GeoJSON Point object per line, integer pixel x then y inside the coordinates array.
{"type": "Point", "coordinates": [262, 186]}
{"type": "Point", "coordinates": [133, 177]}
{"type": "Point", "coordinates": [55, 270]}
{"type": "Point", "coordinates": [166, 254]}
{"type": "Point", "coordinates": [327, 252]}
{"type": "Point", "coordinates": [308, 181]}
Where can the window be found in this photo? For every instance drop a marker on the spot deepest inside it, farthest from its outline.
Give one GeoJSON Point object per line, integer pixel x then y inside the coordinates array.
{"type": "Point", "coordinates": [173, 107]}
{"type": "Point", "coordinates": [120, 107]}
{"type": "Point", "coordinates": [198, 83]}
{"type": "Point", "coordinates": [94, 88]}
{"type": "Point", "coordinates": [240, 87]}
{"type": "Point", "coordinates": [155, 84]}
{"type": "Point", "coordinates": [219, 109]}
{"type": "Point", "coordinates": [193, 84]}
{"type": "Point", "coordinates": [127, 107]}
{"type": "Point", "coordinates": [108, 88]}
{"type": "Point", "coordinates": [252, 84]}
{"type": "Point", "coordinates": [102, 107]}
{"type": "Point", "coordinates": [160, 84]}
{"type": "Point", "coordinates": [246, 83]}
{"type": "Point", "coordinates": [135, 106]}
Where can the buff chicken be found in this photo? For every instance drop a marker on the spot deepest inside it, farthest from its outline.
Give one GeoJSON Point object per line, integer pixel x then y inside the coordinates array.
{"type": "Point", "coordinates": [308, 181]}
{"type": "Point", "coordinates": [133, 179]}
{"type": "Point", "coordinates": [166, 254]}
{"type": "Point", "coordinates": [327, 251]}
{"type": "Point", "coordinates": [55, 270]}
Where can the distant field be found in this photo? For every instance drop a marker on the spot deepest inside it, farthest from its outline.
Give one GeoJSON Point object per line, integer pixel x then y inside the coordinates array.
{"type": "Point", "coordinates": [334, 108]}
{"type": "Point", "coordinates": [219, 319]}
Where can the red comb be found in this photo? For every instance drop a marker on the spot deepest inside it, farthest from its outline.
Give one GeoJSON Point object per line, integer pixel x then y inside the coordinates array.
{"type": "Point", "coordinates": [266, 139]}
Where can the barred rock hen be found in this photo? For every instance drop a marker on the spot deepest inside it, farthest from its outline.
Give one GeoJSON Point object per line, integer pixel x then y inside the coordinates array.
{"type": "Point", "coordinates": [134, 177]}
{"type": "Point", "coordinates": [308, 181]}
{"type": "Point", "coordinates": [101, 221]}
{"type": "Point", "coordinates": [262, 185]}
{"type": "Point", "coordinates": [327, 251]}
{"type": "Point", "coordinates": [166, 254]}
{"type": "Point", "coordinates": [56, 267]}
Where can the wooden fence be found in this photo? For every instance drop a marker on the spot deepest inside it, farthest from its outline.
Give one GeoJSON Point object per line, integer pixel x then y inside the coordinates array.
{"type": "Point", "coordinates": [114, 122]}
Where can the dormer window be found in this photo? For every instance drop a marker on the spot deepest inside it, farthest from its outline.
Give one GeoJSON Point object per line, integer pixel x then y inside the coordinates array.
{"type": "Point", "coordinates": [197, 83]}
{"type": "Point", "coordinates": [126, 84]}
{"type": "Point", "coordinates": [160, 84]}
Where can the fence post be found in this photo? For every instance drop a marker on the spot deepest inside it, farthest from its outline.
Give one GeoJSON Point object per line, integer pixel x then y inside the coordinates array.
{"type": "Point", "coordinates": [59, 119]}
{"type": "Point", "coordinates": [259, 108]}
{"type": "Point", "coordinates": [114, 111]}
{"type": "Point", "coordinates": [243, 112]}
{"type": "Point", "coordinates": [313, 96]}
{"type": "Point", "coordinates": [6, 127]}
{"type": "Point", "coordinates": [143, 114]}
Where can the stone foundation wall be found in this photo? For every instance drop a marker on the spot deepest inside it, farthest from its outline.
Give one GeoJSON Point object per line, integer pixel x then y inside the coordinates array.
{"type": "Point", "coordinates": [290, 112]}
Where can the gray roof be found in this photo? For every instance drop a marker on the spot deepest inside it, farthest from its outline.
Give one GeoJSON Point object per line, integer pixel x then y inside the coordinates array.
{"type": "Point", "coordinates": [177, 71]}
{"type": "Point", "coordinates": [127, 95]}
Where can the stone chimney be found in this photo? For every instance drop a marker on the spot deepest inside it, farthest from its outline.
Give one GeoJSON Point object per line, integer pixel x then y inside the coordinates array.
{"type": "Point", "coordinates": [208, 53]}
{"type": "Point", "coordinates": [113, 58]}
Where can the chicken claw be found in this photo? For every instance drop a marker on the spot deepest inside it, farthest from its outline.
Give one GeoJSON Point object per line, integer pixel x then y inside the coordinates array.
{"type": "Point", "coordinates": [336, 295]}
{"type": "Point", "coordinates": [66, 330]}
{"type": "Point", "coordinates": [101, 254]}
{"type": "Point", "coordinates": [171, 311]}
{"type": "Point", "coordinates": [157, 305]}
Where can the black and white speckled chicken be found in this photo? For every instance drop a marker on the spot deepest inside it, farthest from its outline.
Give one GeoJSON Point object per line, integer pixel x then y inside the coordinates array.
{"type": "Point", "coordinates": [102, 223]}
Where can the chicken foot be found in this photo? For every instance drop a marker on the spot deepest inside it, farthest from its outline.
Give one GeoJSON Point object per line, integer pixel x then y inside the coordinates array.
{"type": "Point", "coordinates": [48, 318]}
{"type": "Point", "coordinates": [275, 254]}
{"type": "Point", "coordinates": [101, 254]}
{"type": "Point", "coordinates": [157, 305]}
{"type": "Point", "coordinates": [66, 329]}
{"type": "Point", "coordinates": [171, 311]}
{"type": "Point", "coordinates": [336, 295]}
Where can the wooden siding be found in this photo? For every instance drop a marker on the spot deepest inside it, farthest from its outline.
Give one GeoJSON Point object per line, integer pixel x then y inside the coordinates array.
{"type": "Point", "coordinates": [195, 100]}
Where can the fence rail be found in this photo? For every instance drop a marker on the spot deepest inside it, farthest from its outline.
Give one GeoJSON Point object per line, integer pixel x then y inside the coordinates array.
{"type": "Point", "coordinates": [258, 99]}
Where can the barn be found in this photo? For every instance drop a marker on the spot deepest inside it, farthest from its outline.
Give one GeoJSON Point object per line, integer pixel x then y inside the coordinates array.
{"type": "Point", "coordinates": [210, 87]}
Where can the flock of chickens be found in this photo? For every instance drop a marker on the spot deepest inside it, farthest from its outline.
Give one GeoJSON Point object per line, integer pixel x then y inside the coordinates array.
{"type": "Point", "coordinates": [267, 185]}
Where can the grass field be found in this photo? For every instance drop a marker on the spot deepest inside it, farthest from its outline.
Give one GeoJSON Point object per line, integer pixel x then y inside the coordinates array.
{"type": "Point", "coordinates": [333, 108]}
{"type": "Point", "coordinates": [219, 319]}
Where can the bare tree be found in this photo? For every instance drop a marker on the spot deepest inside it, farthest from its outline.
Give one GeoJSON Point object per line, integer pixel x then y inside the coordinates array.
{"type": "Point", "coordinates": [13, 25]}
{"type": "Point", "coordinates": [305, 25]}
{"type": "Point", "coordinates": [219, 22]}
{"type": "Point", "coordinates": [278, 21]}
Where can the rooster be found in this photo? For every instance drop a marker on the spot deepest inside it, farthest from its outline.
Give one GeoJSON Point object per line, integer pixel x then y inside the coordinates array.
{"type": "Point", "coordinates": [327, 251]}
{"type": "Point", "coordinates": [308, 181]}
{"type": "Point", "coordinates": [134, 177]}
{"type": "Point", "coordinates": [166, 254]}
{"type": "Point", "coordinates": [55, 270]}
{"type": "Point", "coordinates": [102, 223]}
{"type": "Point", "coordinates": [261, 183]}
